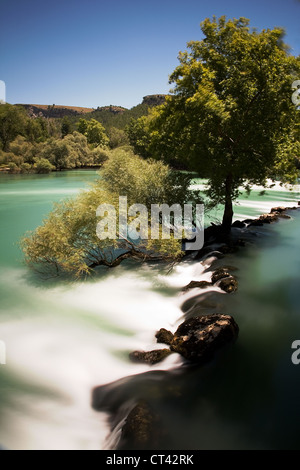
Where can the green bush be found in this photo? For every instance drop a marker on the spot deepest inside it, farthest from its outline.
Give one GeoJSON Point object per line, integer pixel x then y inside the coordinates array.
{"type": "Point", "coordinates": [42, 165]}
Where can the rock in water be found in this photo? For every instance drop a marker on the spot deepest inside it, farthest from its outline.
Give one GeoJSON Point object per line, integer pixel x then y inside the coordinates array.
{"type": "Point", "coordinates": [164, 336]}
{"type": "Point", "coordinates": [228, 284]}
{"type": "Point", "coordinates": [199, 284]}
{"type": "Point", "coordinates": [198, 338]}
{"type": "Point", "coordinates": [150, 357]}
{"type": "Point", "coordinates": [219, 274]}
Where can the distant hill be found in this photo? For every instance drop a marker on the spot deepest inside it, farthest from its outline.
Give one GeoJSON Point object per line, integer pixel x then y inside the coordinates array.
{"type": "Point", "coordinates": [109, 116]}
{"type": "Point", "coordinates": [54, 111]}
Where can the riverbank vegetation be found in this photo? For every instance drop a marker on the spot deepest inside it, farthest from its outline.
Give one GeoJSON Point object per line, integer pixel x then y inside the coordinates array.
{"type": "Point", "coordinates": [38, 145]}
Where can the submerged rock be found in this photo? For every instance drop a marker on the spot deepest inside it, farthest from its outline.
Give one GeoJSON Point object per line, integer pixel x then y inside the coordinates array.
{"type": "Point", "coordinates": [200, 284]}
{"type": "Point", "coordinates": [198, 338]}
{"type": "Point", "coordinates": [150, 357]}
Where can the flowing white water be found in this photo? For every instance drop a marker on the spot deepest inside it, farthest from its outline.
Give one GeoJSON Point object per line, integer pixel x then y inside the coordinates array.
{"type": "Point", "coordinates": [82, 339]}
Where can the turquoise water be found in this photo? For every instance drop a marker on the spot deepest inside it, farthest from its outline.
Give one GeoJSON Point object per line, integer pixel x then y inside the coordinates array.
{"type": "Point", "coordinates": [64, 338]}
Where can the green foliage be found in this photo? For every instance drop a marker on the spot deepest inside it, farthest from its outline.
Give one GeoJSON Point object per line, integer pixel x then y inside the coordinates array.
{"type": "Point", "coordinates": [42, 165]}
{"type": "Point", "coordinates": [67, 240]}
{"type": "Point", "coordinates": [117, 137]}
{"type": "Point", "coordinates": [139, 135]}
{"type": "Point", "coordinates": [12, 123]}
{"type": "Point", "coordinates": [82, 126]}
{"type": "Point", "coordinates": [36, 130]}
{"type": "Point", "coordinates": [66, 127]}
{"type": "Point", "coordinates": [71, 152]}
{"type": "Point", "coordinates": [230, 117]}
{"type": "Point", "coordinates": [94, 132]}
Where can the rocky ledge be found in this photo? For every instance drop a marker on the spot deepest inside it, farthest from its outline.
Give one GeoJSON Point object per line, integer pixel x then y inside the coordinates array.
{"type": "Point", "coordinates": [220, 278]}
{"type": "Point", "coordinates": [196, 339]}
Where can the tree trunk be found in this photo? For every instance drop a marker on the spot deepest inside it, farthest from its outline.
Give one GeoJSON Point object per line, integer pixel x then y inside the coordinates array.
{"type": "Point", "coordinates": [228, 210]}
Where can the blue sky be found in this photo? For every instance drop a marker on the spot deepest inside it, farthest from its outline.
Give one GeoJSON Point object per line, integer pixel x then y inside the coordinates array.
{"type": "Point", "coordinates": [100, 52]}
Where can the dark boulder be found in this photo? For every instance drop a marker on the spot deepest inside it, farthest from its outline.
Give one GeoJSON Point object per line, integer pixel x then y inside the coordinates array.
{"type": "Point", "coordinates": [228, 284]}
{"type": "Point", "coordinates": [223, 279]}
{"type": "Point", "coordinates": [219, 274]}
{"type": "Point", "coordinates": [238, 224]}
{"type": "Point", "coordinates": [149, 357]}
{"type": "Point", "coordinates": [198, 338]}
{"type": "Point", "coordinates": [164, 336]}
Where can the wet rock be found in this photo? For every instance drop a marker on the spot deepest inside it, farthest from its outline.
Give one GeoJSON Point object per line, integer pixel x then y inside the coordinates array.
{"type": "Point", "coordinates": [200, 284]}
{"type": "Point", "coordinates": [149, 357]}
{"type": "Point", "coordinates": [223, 279]}
{"type": "Point", "coordinates": [164, 336]}
{"type": "Point", "coordinates": [219, 274]}
{"type": "Point", "coordinates": [228, 284]}
{"type": "Point", "coordinates": [238, 224]}
{"type": "Point", "coordinates": [268, 218]}
{"type": "Point", "coordinates": [198, 338]}
{"type": "Point", "coordinates": [278, 209]}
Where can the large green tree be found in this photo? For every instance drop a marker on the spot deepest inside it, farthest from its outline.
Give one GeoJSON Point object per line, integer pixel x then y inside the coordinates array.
{"type": "Point", "coordinates": [230, 116]}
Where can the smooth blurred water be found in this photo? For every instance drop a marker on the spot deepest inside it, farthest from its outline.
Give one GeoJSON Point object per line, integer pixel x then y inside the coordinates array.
{"type": "Point", "coordinates": [63, 338]}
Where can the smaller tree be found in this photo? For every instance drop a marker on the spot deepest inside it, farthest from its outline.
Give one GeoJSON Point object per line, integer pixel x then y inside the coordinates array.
{"type": "Point", "coordinates": [94, 132]}
{"type": "Point", "coordinates": [139, 135]}
{"type": "Point", "coordinates": [82, 126]}
{"type": "Point", "coordinates": [66, 127]}
{"type": "Point", "coordinates": [117, 137]}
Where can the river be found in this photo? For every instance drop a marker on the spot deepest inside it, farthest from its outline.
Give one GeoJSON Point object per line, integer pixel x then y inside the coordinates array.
{"type": "Point", "coordinates": [64, 338]}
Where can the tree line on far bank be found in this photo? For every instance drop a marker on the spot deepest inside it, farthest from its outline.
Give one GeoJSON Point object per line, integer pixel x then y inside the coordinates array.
{"type": "Point", "coordinates": [43, 145]}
